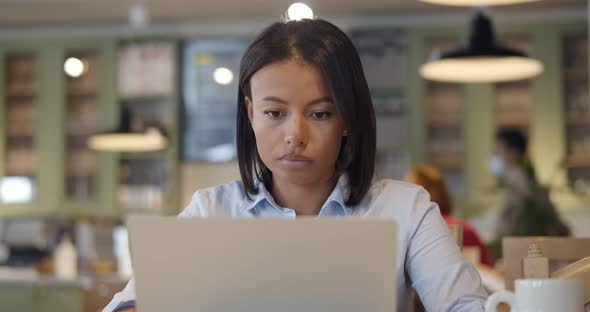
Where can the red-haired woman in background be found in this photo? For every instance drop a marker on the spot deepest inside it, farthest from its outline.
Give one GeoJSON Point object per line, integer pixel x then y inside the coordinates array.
{"type": "Point", "coordinates": [431, 179]}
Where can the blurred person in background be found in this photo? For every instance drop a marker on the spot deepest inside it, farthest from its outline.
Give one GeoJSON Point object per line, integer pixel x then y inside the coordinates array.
{"type": "Point", "coordinates": [526, 207]}
{"type": "Point", "coordinates": [432, 180]}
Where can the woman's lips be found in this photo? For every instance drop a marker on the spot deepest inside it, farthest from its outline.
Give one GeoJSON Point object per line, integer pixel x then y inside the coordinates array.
{"type": "Point", "coordinates": [294, 160]}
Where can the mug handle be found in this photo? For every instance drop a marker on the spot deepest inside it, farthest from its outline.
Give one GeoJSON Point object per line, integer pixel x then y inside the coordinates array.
{"type": "Point", "coordinates": [494, 300]}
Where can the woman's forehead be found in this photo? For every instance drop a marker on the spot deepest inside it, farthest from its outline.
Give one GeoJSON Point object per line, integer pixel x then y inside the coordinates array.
{"type": "Point", "coordinates": [290, 77]}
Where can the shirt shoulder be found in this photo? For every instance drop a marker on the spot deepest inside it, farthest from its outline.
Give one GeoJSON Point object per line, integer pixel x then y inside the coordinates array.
{"type": "Point", "coordinates": [394, 197]}
{"type": "Point", "coordinates": [221, 200]}
{"type": "Point", "coordinates": [403, 202]}
{"type": "Point", "coordinates": [389, 186]}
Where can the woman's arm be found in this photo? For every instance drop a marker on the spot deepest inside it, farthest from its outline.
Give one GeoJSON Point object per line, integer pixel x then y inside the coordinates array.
{"type": "Point", "coordinates": [443, 279]}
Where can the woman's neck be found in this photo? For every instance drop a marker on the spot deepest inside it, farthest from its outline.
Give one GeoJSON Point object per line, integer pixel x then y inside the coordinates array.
{"type": "Point", "coordinates": [306, 200]}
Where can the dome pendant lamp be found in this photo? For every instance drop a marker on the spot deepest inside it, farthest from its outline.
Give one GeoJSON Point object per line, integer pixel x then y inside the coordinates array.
{"type": "Point", "coordinates": [130, 136]}
{"type": "Point", "coordinates": [481, 60]}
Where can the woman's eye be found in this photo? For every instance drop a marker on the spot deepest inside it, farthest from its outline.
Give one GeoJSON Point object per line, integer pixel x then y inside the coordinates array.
{"type": "Point", "coordinates": [321, 115]}
{"type": "Point", "coordinates": [273, 114]}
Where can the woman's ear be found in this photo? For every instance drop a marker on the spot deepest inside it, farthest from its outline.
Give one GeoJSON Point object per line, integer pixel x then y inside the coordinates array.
{"type": "Point", "coordinates": [249, 108]}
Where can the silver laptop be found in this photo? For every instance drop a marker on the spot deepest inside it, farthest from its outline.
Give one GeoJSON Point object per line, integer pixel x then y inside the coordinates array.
{"type": "Point", "coordinates": [263, 265]}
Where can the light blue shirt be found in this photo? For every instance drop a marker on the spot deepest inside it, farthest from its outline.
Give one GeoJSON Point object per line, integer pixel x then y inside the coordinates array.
{"type": "Point", "coordinates": [429, 259]}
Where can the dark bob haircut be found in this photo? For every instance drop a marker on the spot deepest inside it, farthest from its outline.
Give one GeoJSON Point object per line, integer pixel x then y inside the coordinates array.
{"type": "Point", "coordinates": [513, 139]}
{"type": "Point", "coordinates": [320, 44]}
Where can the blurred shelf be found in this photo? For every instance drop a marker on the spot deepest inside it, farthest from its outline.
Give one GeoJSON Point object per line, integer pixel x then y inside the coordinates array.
{"type": "Point", "coordinates": [77, 133]}
{"type": "Point", "coordinates": [581, 119]}
{"type": "Point", "coordinates": [147, 98]}
{"type": "Point", "coordinates": [81, 93]}
{"type": "Point", "coordinates": [578, 74]}
{"type": "Point", "coordinates": [19, 173]}
{"type": "Point", "coordinates": [81, 172]}
{"type": "Point", "coordinates": [28, 146]}
{"type": "Point", "coordinates": [21, 91]}
{"type": "Point", "coordinates": [27, 169]}
{"type": "Point", "coordinates": [513, 119]}
{"type": "Point", "coordinates": [446, 160]}
{"type": "Point", "coordinates": [22, 135]}
{"type": "Point", "coordinates": [21, 157]}
{"type": "Point", "coordinates": [149, 155]}
{"type": "Point", "coordinates": [80, 176]}
{"type": "Point", "coordinates": [577, 117]}
{"type": "Point", "coordinates": [15, 96]}
{"type": "Point", "coordinates": [445, 121]}
{"type": "Point", "coordinates": [577, 161]}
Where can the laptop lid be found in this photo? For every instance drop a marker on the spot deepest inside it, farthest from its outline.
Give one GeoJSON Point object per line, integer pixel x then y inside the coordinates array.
{"type": "Point", "coordinates": [253, 265]}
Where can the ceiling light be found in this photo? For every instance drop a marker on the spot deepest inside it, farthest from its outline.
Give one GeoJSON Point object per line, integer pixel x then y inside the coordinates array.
{"type": "Point", "coordinates": [74, 67]}
{"type": "Point", "coordinates": [298, 11]}
{"type": "Point", "coordinates": [482, 60]}
{"type": "Point", "coordinates": [147, 138]}
{"type": "Point", "coordinates": [223, 76]}
{"type": "Point", "coordinates": [139, 16]}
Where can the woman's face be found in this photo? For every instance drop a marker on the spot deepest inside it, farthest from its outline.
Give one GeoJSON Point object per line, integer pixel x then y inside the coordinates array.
{"type": "Point", "coordinates": [297, 127]}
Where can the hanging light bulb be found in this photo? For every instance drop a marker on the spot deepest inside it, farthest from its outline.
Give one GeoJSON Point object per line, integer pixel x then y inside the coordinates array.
{"type": "Point", "coordinates": [298, 11]}
{"type": "Point", "coordinates": [223, 76]}
{"type": "Point", "coordinates": [138, 15]}
{"type": "Point", "coordinates": [471, 3]}
{"type": "Point", "coordinates": [74, 67]}
{"type": "Point", "coordinates": [482, 60]}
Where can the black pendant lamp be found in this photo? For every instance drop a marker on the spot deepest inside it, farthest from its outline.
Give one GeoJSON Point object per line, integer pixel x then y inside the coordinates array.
{"type": "Point", "coordinates": [130, 136]}
{"type": "Point", "coordinates": [481, 60]}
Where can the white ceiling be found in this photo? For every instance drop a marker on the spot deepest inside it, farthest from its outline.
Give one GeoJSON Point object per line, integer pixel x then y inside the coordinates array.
{"type": "Point", "coordinates": [63, 12]}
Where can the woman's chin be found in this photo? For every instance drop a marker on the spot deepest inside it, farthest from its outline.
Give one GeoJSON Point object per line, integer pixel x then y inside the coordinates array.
{"type": "Point", "coordinates": [297, 176]}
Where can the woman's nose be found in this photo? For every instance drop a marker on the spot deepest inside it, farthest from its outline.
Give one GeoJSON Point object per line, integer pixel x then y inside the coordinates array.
{"type": "Point", "coordinates": [296, 133]}
{"type": "Point", "coordinates": [294, 140]}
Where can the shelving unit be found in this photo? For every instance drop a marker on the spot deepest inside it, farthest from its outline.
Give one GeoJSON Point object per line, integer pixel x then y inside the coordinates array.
{"type": "Point", "coordinates": [21, 157]}
{"type": "Point", "coordinates": [514, 100]}
{"type": "Point", "coordinates": [444, 122]}
{"type": "Point", "coordinates": [147, 181]}
{"type": "Point", "coordinates": [513, 105]}
{"type": "Point", "coordinates": [576, 110]}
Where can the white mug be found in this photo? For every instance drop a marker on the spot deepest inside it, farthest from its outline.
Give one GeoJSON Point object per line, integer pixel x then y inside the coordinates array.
{"type": "Point", "coordinates": [541, 295]}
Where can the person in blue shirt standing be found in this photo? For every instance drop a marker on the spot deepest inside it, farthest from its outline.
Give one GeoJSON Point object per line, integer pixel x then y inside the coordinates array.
{"type": "Point", "coordinates": [306, 141]}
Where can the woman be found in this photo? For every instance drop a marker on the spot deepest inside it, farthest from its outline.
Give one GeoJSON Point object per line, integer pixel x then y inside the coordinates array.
{"type": "Point", "coordinates": [306, 146]}
{"type": "Point", "coordinates": [430, 179]}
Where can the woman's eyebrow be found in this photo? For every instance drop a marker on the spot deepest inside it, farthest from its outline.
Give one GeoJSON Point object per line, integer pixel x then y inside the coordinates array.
{"type": "Point", "coordinates": [312, 102]}
{"type": "Point", "coordinates": [321, 100]}
{"type": "Point", "coordinates": [274, 99]}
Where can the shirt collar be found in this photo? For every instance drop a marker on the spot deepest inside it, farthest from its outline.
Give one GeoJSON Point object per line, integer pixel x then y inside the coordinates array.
{"type": "Point", "coordinates": [334, 205]}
